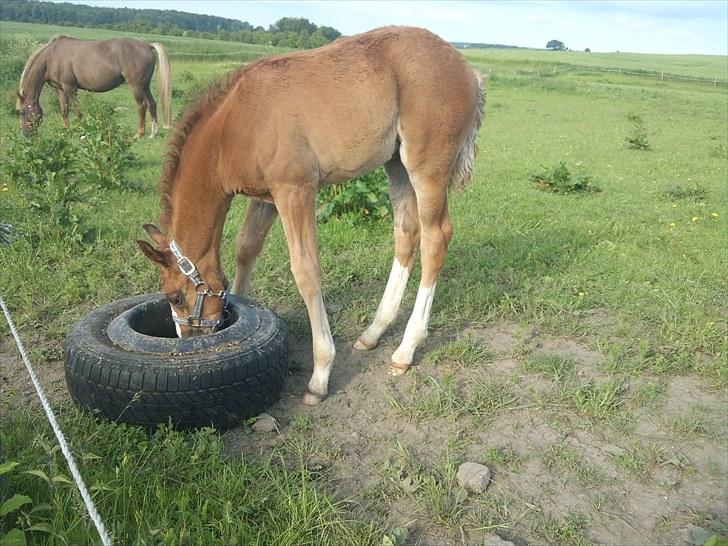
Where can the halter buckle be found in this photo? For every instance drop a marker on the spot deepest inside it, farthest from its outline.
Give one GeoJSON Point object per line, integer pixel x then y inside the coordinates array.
{"type": "Point", "coordinates": [189, 270]}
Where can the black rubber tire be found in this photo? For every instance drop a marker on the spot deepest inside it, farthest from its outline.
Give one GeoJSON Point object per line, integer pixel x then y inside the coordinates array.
{"type": "Point", "coordinates": [216, 380]}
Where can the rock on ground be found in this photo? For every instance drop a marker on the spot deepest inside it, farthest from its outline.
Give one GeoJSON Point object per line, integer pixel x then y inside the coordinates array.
{"type": "Point", "coordinates": [265, 423]}
{"type": "Point", "coordinates": [473, 476]}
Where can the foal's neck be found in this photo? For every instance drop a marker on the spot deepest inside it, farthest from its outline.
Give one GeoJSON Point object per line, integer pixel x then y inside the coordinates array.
{"type": "Point", "coordinates": [197, 220]}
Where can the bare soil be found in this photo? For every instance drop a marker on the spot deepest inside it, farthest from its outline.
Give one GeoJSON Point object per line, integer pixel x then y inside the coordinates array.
{"type": "Point", "coordinates": [355, 433]}
{"type": "Point", "coordinates": [638, 478]}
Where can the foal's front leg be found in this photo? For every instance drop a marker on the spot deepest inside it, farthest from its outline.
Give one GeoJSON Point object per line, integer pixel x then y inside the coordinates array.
{"type": "Point", "coordinates": [258, 222]}
{"type": "Point", "coordinates": [297, 207]}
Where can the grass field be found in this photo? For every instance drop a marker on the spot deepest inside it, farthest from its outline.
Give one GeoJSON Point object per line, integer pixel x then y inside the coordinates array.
{"type": "Point", "coordinates": [578, 341]}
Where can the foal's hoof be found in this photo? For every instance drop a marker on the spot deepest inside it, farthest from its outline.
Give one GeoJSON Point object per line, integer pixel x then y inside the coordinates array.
{"type": "Point", "coordinates": [398, 369]}
{"type": "Point", "coordinates": [361, 345]}
{"type": "Point", "coordinates": [312, 399]}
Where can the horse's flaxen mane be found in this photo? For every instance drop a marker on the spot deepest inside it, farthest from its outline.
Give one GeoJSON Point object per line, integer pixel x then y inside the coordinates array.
{"type": "Point", "coordinates": [203, 106]}
{"type": "Point", "coordinates": [29, 62]}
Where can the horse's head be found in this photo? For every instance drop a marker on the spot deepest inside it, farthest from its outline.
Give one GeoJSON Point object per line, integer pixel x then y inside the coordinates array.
{"type": "Point", "coordinates": [30, 113]}
{"type": "Point", "coordinates": [197, 307]}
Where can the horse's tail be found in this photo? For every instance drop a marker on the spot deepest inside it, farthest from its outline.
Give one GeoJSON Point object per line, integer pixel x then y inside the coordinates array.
{"type": "Point", "coordinates": [164, 72]}
{"type": "Point", "coordinates": [462, 170]}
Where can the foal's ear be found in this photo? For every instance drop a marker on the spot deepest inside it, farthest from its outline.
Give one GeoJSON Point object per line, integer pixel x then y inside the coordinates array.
{"type": "Point", "coordinates": [159, 257]}
{"type": "Point", "coordinates": [157, 236]}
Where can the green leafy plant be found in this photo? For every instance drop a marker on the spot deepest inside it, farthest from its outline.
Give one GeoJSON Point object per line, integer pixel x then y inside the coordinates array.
{"type": "Point", "coordinates": [7, 234]}
{"type": "Point", "coordinates": [12, 532]}
{"type": "Point", "coordinates": [696, 193]}
{"type": "Point", "coordinates": [104, 145]}
{"type": "Point", "coordinates": [638, 139]}
{"type": "Point", "coordinates": [365, 197]}
{"type": "Point", "coordinates": [46, 166]}
{"type": "Point", "coordinates": [61, 170]}
{"type": "Point", "coordinates": [559, 179]}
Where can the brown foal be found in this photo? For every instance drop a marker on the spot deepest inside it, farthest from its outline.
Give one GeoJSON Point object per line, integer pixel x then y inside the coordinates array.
{"type": "Point", "coordinates": [283, 126]}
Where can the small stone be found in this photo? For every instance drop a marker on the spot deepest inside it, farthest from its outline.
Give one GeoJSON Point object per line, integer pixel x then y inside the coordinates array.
{"type": "Point", "coordinates": [473, 476]}
{"type": "Point", "coordinates": [265, 423]}
{"type": "Point", "coordinates": [495, 540]}
{"type": "Point", "coordinates": [696, 536]}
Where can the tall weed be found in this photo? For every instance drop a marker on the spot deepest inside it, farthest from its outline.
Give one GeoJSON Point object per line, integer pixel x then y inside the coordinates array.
{"type": "Point", "coordinates": [104, 145]}
{"type": "Point", "coordinates": [60, 170]}
{"type": "Point", "coordinates": [365, 197]}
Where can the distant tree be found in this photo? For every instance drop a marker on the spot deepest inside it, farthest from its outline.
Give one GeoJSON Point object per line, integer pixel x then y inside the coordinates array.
{"type": "Point", "coordinates": [587, 50]}
{"type": "Point", "coordinates": [556, 45]}
{"type": "Point", "coordinates": [293, 24]}
{"type": "Point", "coordinates": [293, 32]}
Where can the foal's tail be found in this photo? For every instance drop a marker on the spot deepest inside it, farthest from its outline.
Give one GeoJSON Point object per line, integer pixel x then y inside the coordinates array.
{"type": "Point", "coordinates": [164, 73]}
{"type": "Point", "coordinates": [462, 170]}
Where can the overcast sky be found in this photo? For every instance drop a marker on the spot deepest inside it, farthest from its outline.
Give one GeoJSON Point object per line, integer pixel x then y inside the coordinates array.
{"type": "Point", "coordinates": [637, 26]}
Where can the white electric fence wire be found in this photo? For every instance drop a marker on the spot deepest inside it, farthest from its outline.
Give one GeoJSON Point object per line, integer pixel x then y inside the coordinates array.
{"type": "Point", "coordinates": [90, 506]}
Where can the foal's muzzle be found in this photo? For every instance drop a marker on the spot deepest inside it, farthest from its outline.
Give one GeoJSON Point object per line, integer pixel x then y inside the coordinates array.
{"type": "Point", "coordinates": [195, 320]}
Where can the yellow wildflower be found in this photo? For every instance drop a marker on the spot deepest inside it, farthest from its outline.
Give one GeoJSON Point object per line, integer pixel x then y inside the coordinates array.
{"type": "Point", "coordinates": [714, 214]}
{"type": "Point", "coordinates": [695, 218]}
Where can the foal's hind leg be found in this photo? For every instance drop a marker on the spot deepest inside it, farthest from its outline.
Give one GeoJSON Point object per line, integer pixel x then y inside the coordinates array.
{"type": "Point", "coordinates": [258, 222]}
{"type": "Point", "coordinates": [406, 240]}
{"type": "Point", "coordinates": [436, 232]}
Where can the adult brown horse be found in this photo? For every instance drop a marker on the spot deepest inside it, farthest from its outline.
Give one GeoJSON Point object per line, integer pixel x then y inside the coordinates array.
{"type": "Point", "coordinates": [283, 126]}
{"type": "Point", "coordinates": [68, 64]}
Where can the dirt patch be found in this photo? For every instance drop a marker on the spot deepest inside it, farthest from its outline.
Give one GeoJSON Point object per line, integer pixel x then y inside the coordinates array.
{"type": "Point", "coordinates": [15, 382]}
{"type": "Point", "coordinates": [563, 472]}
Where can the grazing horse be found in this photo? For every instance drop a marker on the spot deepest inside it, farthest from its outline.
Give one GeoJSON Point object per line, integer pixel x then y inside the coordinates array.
{"type": "Point", "coordinates": [68, 64]}
{"type": "Point", "coordinates": [283, 126]}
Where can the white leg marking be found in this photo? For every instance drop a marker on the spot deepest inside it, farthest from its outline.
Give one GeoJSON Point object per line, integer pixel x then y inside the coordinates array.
{"type": "Point", "coordinates": [388, 307]}
{"type": "Point", "coordinates": [155, 129]}
{"type": "Point", "coordinates": [176, 326]}
{"type": "Point", "coordinates": [324, 352]}
{"type": "Point", "coordinates": [416, 330]}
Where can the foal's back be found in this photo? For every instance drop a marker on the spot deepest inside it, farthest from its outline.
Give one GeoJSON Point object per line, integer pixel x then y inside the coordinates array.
{"type": "Point", "coordinates": [338, 111]}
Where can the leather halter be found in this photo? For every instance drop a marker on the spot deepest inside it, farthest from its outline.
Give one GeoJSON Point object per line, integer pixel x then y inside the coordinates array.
{"type": "Point", "coordinates": [189, 270]}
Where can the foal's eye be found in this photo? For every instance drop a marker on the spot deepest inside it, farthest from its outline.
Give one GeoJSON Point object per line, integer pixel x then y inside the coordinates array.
{"type": "Point", "coordinates": [176, 299]}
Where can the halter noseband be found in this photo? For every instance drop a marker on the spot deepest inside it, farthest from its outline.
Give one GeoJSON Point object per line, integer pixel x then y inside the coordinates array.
{"type": "Point", "coordinates": [189, 270]}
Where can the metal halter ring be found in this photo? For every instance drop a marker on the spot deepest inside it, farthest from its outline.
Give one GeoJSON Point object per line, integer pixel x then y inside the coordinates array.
{"type": "Point", "coordinates": [189, 270]}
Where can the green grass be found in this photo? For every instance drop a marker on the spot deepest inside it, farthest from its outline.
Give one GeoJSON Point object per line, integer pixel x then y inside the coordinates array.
{"type": "Point", "coordinates": [482, 397]}
{"type": "Point", "coordinates": [648, 251]}
{"type": "Point", "coordinates": [178, 47]}
{"type": "Point", "coordinates": [168, 488]}
{"type": "Point", "coordinates": [563, 458]}
{"type": "Point", "coordinates": [695, 66]}
{"type": "Point", "coordinates": [465, 351]}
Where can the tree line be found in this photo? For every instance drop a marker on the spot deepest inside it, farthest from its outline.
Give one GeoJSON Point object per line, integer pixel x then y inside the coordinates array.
{"type": "Point", "coordinates": [287, 32]}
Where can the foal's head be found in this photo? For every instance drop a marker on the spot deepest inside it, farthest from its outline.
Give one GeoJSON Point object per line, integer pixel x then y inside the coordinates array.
{"type": "Point", "coordinates": [31, 114]}
{"type": "Point", "coordinates": [197, 307]}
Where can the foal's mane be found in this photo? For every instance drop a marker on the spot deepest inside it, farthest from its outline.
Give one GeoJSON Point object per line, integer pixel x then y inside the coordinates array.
{"type": "Point", "coordinates": [202, 107]}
